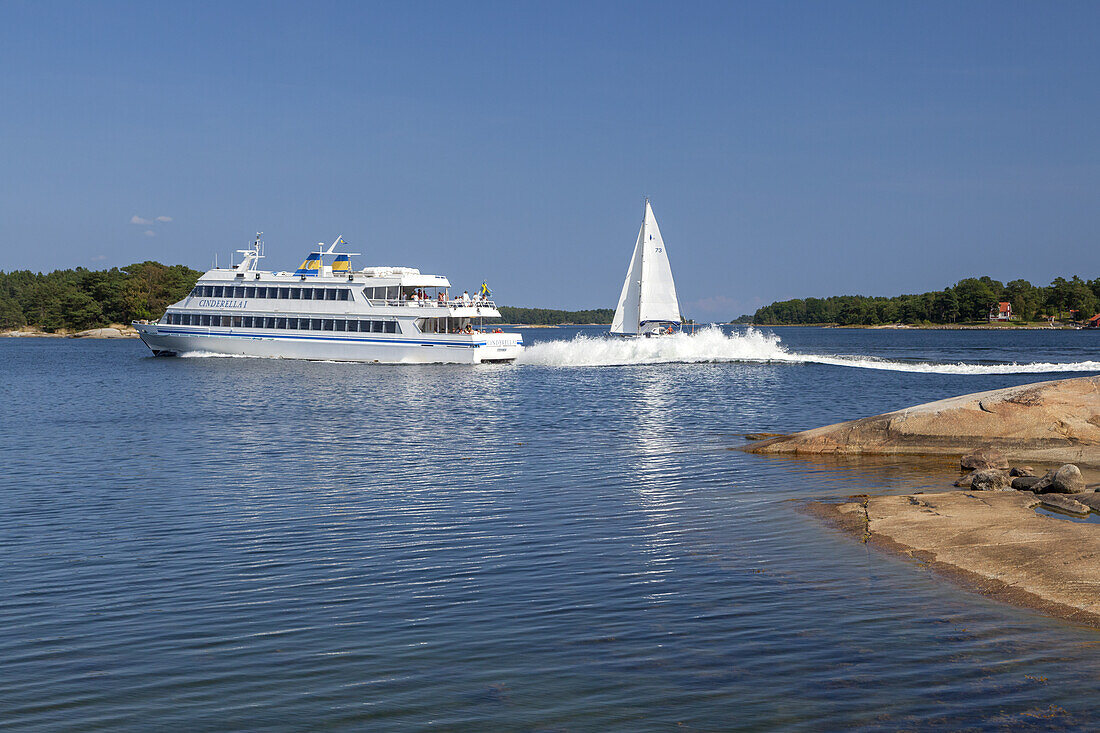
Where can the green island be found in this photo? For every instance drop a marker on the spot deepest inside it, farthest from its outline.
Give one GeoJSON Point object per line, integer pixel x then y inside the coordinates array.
{"type": "Point", "coordinates": [79, 299]}
{"type": "Point", "coordinates": [969, 301]}
{"type": "Point", "coordinates": [551, 317]}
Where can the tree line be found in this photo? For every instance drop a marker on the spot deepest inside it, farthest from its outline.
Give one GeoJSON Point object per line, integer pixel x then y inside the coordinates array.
{"type": "Point", "coordinates": [81, 298]}
{"type": "Point", "coordinates": [549, 317]}
{"type": "Point", "coordinates": [966, 301]}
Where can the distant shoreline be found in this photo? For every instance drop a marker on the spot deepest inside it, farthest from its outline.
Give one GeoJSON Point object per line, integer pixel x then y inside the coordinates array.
{"type": "Point", "coordinates": [929, 327]}
{"type": "Point", "coordinates": [114, 331]}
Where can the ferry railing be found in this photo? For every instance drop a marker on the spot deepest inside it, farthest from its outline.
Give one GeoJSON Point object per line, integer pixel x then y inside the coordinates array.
{"type": "Point", "coordinates": [433, 303]}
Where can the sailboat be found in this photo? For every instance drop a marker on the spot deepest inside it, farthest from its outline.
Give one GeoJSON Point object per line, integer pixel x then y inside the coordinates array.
{"type": "Point", "coordinates": [647, 305]}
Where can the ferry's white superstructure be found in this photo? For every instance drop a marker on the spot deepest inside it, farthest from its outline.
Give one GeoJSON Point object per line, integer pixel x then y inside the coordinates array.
{"type": "Point", "coordinates": [377, 314]}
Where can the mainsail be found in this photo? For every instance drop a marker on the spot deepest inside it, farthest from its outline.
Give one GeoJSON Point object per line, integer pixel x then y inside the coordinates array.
{"type": "Point", "coordinates": [649, 293]}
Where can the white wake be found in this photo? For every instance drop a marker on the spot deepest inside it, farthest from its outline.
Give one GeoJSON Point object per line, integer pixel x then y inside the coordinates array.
{"type": "Point", "coordinates": [712, 345]}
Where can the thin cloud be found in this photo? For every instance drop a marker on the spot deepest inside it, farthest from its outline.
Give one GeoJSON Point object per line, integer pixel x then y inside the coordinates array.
{"type": "Point", "coordinates": [149, 233]}
{"type": "Point", "coordinates": [99, 258]}
{"type": "Point", "coordinates": [135, 219]}
{"type": "Point", "coordinates": [164, 218]}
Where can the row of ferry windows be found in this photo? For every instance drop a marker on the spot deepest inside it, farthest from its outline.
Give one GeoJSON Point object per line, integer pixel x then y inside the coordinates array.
{"type": "Point", "coordinates": [301, 324]}
{"type": "Point", "coordinates": [258, 291]}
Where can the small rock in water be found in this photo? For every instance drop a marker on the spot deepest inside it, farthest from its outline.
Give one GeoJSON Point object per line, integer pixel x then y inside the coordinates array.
{"type": "Point", "coordinates": [989, 479]}
{"type": "Point", "coordinates": [965, 481]}
{"type": "Point", "coordinates": [984, 458]}
{"type": "Point", "coordinates": [1065, 504]}
{"type": "Point", "coordinates": [1065, 480]}
{"type": "Point", "coordinates": [1022, 471]}
{"type": "Point", "coordinates": [1024, 483]}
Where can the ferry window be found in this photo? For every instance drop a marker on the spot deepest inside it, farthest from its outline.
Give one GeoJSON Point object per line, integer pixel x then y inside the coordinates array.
{"type": "Point", "coordinates": [307, 293]}
{"type": "Point", "coordinates": [261, 293]}
{"type": "Point", "coordinates": [353, 325]}
{"type": "Point", "coordinates": [204, 320]}
{"type": "Point", "coordinates": [368, 293]}
{"type": "Point", "coordinates": [209, 291]}
{"type": "Point", "coordinates": [376, 326]}
{"type": "Point", "coordinates": [329, 324]}
{"type": "Point", "coordinates": [295, 293]}
{"type": "Point", "coordinates": [331, 294]}
{"type": "Point", "coordinates": [237, 321]}
{"type": "Point", "coordinates": [341, 324]}
{"type": "Point", "coordinates": [195, 292]}
{"type": "Point", "coordinates": [344, 294]}
{"type": "Point", "coordinates": [284, 293]}
{"type": "Point", "coordinates": [292, 323]}
{"type": "Point", "coordinates": [315, 324]}
{"type": "Point", "coordinates": [391, 326]}
{"type": "Point", "coordinates": [269, 322]}
{"type": "Point", "coordinates": [186, 319]}
{"type": "Point", "coordinates": [280, 323]}
{"type": "Point", "coordinates": [250, 292]}
{"type": "Point", "coordinates": [247, 321]}
{"type": "Point", "coordinates": [392, 292]}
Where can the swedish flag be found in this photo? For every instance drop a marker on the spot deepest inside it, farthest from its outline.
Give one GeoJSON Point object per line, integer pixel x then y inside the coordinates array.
{"type": "Point", "coordinates": [485, 293]}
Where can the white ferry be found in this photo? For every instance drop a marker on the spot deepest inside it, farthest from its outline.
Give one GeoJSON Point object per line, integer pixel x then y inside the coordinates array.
{"type": "Point", "coordinates": [329, 311]}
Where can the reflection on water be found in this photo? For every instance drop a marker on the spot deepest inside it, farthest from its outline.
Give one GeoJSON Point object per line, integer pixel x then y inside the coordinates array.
{"type": "Point", "coordinates": [238, 543]}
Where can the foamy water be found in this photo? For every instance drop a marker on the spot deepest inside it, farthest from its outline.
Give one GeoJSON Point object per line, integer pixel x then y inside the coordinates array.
{"type": "Point", "coordinates": [712, 345]}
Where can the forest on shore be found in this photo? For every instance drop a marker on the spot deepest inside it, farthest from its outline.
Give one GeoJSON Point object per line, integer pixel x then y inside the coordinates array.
{"type": "Point", "coordinates": [550, 317]}
{"type": "Point", "coordinates": [78, 299]}
{"type": "Point", "coordinates": [969, 300]}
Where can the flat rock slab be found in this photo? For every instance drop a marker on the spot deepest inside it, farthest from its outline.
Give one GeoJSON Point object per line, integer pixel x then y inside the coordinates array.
{"type": "Point", "coordinates": [995, 543]}
{"type": "Point", "coordinates": [1049, 422]}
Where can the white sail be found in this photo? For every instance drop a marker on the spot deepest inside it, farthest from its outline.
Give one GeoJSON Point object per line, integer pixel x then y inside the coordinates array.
{"type": "Point", "coordinates": [657, 299]}
{"type": "Point", "coordinates": [627, 312]}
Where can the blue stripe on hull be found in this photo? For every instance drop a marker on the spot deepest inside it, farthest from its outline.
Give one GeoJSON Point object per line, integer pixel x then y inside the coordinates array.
{"type": "Point", "coordinates": [405, 342]}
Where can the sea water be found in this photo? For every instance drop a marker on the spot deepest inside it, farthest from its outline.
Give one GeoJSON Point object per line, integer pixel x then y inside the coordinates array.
{"type": "Point", "coordinates": [567, 543]}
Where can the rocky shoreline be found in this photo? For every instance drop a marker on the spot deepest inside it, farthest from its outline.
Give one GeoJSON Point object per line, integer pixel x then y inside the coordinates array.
{"type": "Point", "coordinates": [989, 535]}
{"type": "Point", "coordinates": [1052, 423]}
{"type": "Point", "coordinates": [114, 331]}
{"type": "Point", "coordinates": [995, 543]}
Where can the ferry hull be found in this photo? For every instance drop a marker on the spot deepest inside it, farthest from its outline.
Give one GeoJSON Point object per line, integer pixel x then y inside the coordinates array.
{"type": "Point", "coordinates": [454, 349]}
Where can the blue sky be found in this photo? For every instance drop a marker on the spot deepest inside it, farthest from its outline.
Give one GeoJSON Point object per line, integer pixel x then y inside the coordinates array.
{"type": "Point", "coordinates": [789, 149]}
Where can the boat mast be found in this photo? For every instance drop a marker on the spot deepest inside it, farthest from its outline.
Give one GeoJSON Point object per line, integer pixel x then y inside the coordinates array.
{"type": "Point", "coordinates": [641, 270]}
